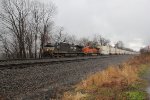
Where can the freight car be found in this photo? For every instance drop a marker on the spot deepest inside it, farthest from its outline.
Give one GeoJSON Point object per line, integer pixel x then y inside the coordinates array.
{"type": "Point", "coordinates": [109, 50]}
{"type": "Point", "coordinates": [103, 50]}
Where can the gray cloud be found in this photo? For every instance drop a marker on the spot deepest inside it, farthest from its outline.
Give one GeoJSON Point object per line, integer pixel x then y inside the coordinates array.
{"type": "Point", "coordinates": [126, 20]}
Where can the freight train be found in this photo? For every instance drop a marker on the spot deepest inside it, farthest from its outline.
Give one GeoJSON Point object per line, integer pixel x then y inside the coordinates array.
{"type": "Point", "coordinates": [63, 49]}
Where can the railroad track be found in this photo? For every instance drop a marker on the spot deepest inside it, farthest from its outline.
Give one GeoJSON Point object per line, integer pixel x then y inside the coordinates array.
{"type": "Point", "coordinates": [35, 82]}
{"type": "Point", "coordinates": [14, 64]}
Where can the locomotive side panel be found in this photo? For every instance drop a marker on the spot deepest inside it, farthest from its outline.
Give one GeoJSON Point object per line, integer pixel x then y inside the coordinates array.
{"type": "Point", "coordinates": [89, 50]}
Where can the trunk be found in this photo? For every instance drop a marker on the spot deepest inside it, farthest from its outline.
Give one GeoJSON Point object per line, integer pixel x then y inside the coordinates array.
{"type": "Point", "coordinates": [30, 52]}
{"type": "Point", "coordinates": [30, 48]}
{"type": "Point", "coordinates": [24, 51]}
{"type": "Point", "coordinates": [35, 46]}
{"type": "Point", "coordinates": [20, 50]}
{"type": "Point", "coordinates": [42, 44]}
{"type": "Point", "coordinates": [40, 54]}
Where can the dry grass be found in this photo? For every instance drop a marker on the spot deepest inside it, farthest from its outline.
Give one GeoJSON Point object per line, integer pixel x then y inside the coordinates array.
{"type": "Point", "coordinates": [114, 77]}
{"type": "Point", "coordinates": [71, 96]}
{"type": "Point", "coordinates": [141, 59]}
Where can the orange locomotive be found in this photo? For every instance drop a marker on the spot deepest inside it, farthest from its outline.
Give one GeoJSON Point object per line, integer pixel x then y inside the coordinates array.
{"type": "Point", "coordinates": [89, 50]}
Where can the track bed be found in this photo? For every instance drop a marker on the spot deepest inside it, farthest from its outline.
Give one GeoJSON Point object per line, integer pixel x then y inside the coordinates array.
{"type": "Point", "coordinates": [42, 82]}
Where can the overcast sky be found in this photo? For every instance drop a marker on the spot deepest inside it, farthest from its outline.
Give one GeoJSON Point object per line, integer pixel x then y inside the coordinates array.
{"type": "Point", "coordinates": [126, 20]}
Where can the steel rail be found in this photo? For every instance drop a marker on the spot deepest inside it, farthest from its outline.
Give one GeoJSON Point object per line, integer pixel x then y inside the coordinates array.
{"type": "Point", "coordinates": [50, 61]}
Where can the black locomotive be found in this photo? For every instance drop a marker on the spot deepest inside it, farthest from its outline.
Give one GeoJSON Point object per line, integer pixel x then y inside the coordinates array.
{"type": "Point", "coordinates": [62, 49]}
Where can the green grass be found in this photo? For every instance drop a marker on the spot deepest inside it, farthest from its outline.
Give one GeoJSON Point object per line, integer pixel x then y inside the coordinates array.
{"type": "Point", "coordinates": [136, 95]}
{"type": "Point", "coordinates": [144, 70]}
{"type": "Point", "coordinates": [136, 90]}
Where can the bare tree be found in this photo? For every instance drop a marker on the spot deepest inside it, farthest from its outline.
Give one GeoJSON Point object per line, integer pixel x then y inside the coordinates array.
{"type": "Point", "coordinates": [84, 41]}
{"type": "Point", "coordinates": [119, 44]}
{"type": "Point", "coordinates": [25, 23]}
{"type": "Point", "coordinates": [71, 39]}
{"type": "Point", "coordinates": [103, 41]}
{"type": "Point", "coordinates": [14, 17]}
{"type": "Point", "coordinates": [9, 48]}
{"type": "Point", "coordinates": [36, 19]}
{"type": "Point", "coordinates": [98, 39]}
{"type": "Point", "coordinates": [59, 36]}
{"type": "Point", "coordinates": [48, 11]}
{"type": "Point", "coordinates": [29, 42]}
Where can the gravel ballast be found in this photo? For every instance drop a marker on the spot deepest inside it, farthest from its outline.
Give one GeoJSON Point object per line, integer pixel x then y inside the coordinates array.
{"type": "Point", "coordinates": [49, 81]}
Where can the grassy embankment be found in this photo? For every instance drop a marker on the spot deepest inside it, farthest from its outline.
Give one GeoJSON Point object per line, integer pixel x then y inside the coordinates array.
{"type": "Point", "coordinates": [122, 82]}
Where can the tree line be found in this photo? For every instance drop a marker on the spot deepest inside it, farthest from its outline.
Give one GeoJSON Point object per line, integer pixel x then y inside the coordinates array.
{"type": "Point", "coordinates": [26, 26]}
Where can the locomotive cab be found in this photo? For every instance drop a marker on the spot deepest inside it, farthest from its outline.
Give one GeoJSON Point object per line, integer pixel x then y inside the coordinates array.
{"type": "Point", "coordinates": [48, 50]}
